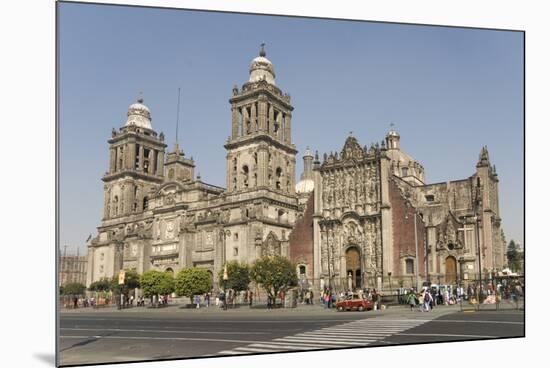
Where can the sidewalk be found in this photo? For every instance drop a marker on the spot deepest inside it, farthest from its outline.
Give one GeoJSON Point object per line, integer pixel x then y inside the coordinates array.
{"type": "Point", "coordinates": [259, 309]}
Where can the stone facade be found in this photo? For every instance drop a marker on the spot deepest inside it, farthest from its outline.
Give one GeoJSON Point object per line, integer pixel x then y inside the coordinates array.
{"type": "Point", "coordinates": [359, 218]}
{"type": "Point", "coordinates": [158, 215]}
{"type": "Point", "coordinates": [375, 219]}
{"type": "Point", "coordinates": [72, 269]}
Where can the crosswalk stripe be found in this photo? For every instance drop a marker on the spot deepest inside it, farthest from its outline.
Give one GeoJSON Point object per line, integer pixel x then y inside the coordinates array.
{"type": "Point", "coordinates": [355, 333]}
{"type": "Point", "coordinates": [297, 344]}
{"type": "Point", "coordinates": [253, 350]}
{"type": "Point", "coordinates": [232, 352]}
{"type": "Point", "coordinates": [342, 335]}
{"type": "Point", "coordinates": [334, 338]}
{"type": "Point", "coordinates": [311, 343]}
{"type": "Point", "coordinates": [325, 341]}
{"type": "Point", "coordinates": [288, 347]}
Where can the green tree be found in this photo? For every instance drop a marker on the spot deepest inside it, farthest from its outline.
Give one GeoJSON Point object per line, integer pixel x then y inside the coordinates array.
{"type": "Point", "coordinates": [238, 276]}
{"type": "Point", "coordinates": [131, 281]}
{"type": "Point", "coordinates": [103, 284]}
{"type": "Point", "coordinates": [154, 282]}
{"type": "Point", "coordinates": [193, 281]}
{"type": "Point", "coordinates": [274, 274]}
{"type": "Point", "coordinates": [74, 289]}
{"type": "Point", "coordinates": [513, 256]}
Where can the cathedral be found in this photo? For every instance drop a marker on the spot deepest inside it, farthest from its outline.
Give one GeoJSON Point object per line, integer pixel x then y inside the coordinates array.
{"type": "Point", "coordinates": [360, 218]}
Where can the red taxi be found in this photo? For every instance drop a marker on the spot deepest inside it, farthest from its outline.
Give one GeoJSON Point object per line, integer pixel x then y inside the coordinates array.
{"type": "Point", "coordinates": [354, 302]}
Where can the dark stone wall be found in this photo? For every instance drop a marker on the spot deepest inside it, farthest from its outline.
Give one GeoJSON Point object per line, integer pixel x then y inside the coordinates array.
{"type": "Point", "coordinates": [301, 239]}
{"type": "Point", "coordinates": [403, 232]}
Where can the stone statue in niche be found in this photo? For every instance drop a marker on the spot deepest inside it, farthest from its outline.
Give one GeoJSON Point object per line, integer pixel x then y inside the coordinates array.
{"type": "Point", "coordinates": [169, 234]}
{"type": "Point", "coordinates": [325, 193]}
{"type": "Point", "coordinates": [271, 246]}
{"type": "Point", "coordinates": [158, 229]}
{"type": "Point", "coordinates": [145, 230]}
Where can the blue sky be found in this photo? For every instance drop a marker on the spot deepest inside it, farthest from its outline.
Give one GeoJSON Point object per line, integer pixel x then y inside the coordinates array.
{"type": "Point", "coordinates": [449, 91]}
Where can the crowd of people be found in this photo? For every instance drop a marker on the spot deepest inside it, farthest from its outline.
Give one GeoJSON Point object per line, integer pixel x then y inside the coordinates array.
{"type": "Point", "coordinates": [424, 300]}
{"type": "Point", "coordinates": [430, 297]}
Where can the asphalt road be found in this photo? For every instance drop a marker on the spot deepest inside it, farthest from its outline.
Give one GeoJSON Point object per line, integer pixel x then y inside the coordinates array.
{"type": "Point", "coordinates": [138, 334]}
{"type": "Point", "coordinates": [462, 326]}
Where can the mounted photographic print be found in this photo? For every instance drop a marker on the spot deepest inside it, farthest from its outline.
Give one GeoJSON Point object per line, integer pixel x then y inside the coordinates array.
{"type": "Point", "coordinates": [234, 184]}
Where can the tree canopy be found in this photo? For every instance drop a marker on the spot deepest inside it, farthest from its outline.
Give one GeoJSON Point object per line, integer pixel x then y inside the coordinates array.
{"type": "Point", "coordinates": [514, 257]}
{"type": "Point", "coordinates": [103, 284]}
{"type": "Point", "coordinates": [274, 274]}
{"type": "Point", "coordinates": [193, 281]}
{"type": "Point", "coordinates": [131, 281]}
{"type": "Point", "coordinates": [74, 288]}
{"type": "Point", "coordinates": [155, 282]}
{"type": "Point", "coordinates": [238, 276]}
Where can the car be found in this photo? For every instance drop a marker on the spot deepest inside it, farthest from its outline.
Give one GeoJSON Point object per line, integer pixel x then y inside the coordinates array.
{"type": "Point", "coordinates": [354, 302]}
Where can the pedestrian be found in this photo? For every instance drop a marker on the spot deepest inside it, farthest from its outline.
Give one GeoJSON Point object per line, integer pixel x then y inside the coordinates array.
{"type": "Point", "coordinates": [75, 302]}
{"type": "Point", "coordinates": [427, 300]}
{"type": "Point", "coordinates": [411, 299]}
{"type": "Point", "coordinates": [197, 301]}
{"type": "Point", "coordinates": [375, 298]}
{"type": "Point", "coordinates": [250, 297]}
{"type": "Point", "coordinates": [268, 302]}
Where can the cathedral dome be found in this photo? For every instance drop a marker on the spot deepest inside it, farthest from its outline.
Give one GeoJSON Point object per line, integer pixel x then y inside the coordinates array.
{"type": "Point", "coordinates": [261, 69]}
{"type": "Point", "coordinates": [139, 115]}
{"type": "Point", "coordinates": [392, 133]}
{"type": "Point", "coordinates": [305, 186]}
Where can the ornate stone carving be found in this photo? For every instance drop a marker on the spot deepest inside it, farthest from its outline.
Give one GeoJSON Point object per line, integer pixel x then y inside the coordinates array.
{"type": "Point", "coordinates": [271, 246]}
{"type": "Point", "coordinates": [169, 232]}
{"type": "Point", "coordinates": [447, 235]}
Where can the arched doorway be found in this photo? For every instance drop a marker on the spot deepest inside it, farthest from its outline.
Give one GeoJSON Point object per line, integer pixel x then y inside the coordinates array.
{"type": "Point", "coordinates": [450, 270]}
{"type": "Point", "coordinates": [353, 267]}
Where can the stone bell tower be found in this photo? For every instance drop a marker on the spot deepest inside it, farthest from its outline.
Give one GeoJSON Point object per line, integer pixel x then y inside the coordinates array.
{"type": "Point", "coordinates": [260, 152]}
{"type": "Point", "coordinates": [261, 161]}
{"type": "Point", "coordinates": [136, 164]}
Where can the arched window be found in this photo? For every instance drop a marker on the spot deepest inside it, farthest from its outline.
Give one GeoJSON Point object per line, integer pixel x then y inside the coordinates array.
{"type": "Point", "coordinates": [240, 122]}
{"type": "Point", "coordinates": [276, 122]}
{"type": "Point", "coordinates": [234, 183]}
{"type": "Point", "coordinates": [279, 175]}
{"type": "Point", "coordinates": [302, 270]}
{"type": "Point", "coordinates": [145, 203]}
{"type": "Point", "coordinates": [245, 176]}
{"type": "Point", "coordinates": [146, 160]}
{"type": "Point", "coordinates": [115, 206]}
{"type": "Point", "coordinates": [409, 266]}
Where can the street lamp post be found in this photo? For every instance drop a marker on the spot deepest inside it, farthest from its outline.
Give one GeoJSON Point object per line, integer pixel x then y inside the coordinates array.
{"type": "Point", "coordinates": [224, 235]}
{"type": "Point", "coordinates": [225, 277]}
{"type": "Point", "coordinates": [389, 280]}
{"type": "Point", "coordinates": [478, 257]}
{"type": "Point", "coordinates": [416, 253]}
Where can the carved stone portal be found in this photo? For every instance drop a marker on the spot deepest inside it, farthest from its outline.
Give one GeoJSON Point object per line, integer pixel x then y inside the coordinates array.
{"type": "Point", "coordinates": [271, 246]}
